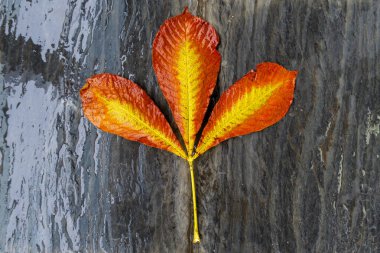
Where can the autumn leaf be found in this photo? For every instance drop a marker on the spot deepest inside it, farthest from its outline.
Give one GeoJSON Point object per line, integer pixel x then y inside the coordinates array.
{"type": "Point", "coordinates": [186, 64]}
{"type": "Point", "coordinates": [118, 106]}
{"type": "Point", "coordinates": [256, 101]}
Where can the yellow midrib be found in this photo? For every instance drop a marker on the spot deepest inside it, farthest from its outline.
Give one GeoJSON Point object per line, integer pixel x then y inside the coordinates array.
{"type": "Point", "coordinates": [186, 57]}
{"type": "Point", "coordinates": [189, 148]}
{"type": "Point", "coordinates": [112, 105]}
{"type": "Point", "coordinates": [230, 120]}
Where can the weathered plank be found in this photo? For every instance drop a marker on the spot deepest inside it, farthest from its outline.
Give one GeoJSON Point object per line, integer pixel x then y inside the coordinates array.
{"type": "Point", "coordinates": [311, 183]}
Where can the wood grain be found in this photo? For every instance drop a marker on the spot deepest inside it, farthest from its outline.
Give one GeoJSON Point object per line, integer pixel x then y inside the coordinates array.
{"type": "Point", "coordinates": [310, 183]}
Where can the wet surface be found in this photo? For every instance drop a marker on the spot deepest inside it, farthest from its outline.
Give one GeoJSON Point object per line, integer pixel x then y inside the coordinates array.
{"type": "Point", "coordinates": [311, 183]}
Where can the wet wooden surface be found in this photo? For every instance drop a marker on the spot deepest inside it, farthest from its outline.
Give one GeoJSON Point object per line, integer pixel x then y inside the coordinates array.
{"type": "Point", "coordinates": [311, 183]}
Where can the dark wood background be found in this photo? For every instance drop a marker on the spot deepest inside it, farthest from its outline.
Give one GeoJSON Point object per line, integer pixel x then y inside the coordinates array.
{"type": "Point", "coordinates": [311, 183]}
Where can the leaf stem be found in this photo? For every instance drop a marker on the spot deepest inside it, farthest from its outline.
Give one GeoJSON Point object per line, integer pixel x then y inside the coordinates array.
{"type": "Point", "coordinates": [196, 238]}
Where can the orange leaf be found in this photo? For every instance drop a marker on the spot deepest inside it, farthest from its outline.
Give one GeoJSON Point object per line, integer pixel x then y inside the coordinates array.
{"type": "Point", "coordinates": [186, 63]}
{"type": "Point", "coordinates": [118, 106]}
{"type": "Point", "coordinates": [256, 101]}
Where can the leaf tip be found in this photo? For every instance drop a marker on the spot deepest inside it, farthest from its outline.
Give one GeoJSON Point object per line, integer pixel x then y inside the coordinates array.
{"type": "Point", "coordinates": [84, 88]}
{"type": "Point", "coordinates": [186, 10]}
{"type": "Point", "coordinates": [87, 86]}
{"type": "Point", "coordinates": [294, 73]}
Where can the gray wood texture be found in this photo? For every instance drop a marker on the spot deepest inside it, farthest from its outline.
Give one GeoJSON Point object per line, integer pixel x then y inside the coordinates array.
{"type": "Point", "coordinates": [311, 183]}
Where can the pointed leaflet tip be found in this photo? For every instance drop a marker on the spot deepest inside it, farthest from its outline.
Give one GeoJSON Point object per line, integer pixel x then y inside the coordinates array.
{"type": "Point", "coordinates": [119, 106]}
{"type": "Point", "coordinates": [186, 10]}
{"type": "Point", "coordinates": [256, 101]}
{"type": "Point", "coordinates": [186, 64]}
